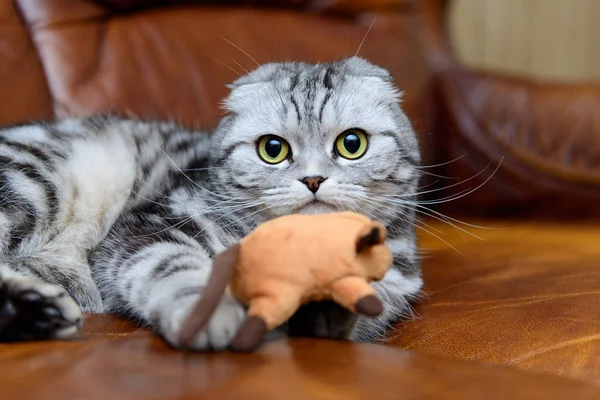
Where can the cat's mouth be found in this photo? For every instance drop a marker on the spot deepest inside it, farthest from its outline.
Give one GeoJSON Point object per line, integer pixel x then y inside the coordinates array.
{"type": "Point", "coordinates": [316, 207]}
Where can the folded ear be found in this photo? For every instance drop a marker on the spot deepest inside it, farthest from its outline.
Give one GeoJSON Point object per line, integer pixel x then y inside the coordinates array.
{"type": "Point", "coordinates": [222, 270]}
{"type": "Point", "coordinates": [371, 235]}
{"type": "Point", "coordinates": [360, 67]}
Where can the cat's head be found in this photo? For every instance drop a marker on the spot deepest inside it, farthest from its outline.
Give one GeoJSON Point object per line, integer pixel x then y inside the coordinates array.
{"type": "Point", "coordinates": [302, 138]}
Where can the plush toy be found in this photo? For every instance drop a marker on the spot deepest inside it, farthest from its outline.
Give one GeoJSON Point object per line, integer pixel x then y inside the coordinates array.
{"type": "Point", "coordinates": [290, 261]}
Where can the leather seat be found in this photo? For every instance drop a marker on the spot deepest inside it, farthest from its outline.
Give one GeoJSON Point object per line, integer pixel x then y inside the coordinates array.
{"type": "Point", "coordinates": [525, 298]}
{"type": "Point", "coordinates": [518, 293]}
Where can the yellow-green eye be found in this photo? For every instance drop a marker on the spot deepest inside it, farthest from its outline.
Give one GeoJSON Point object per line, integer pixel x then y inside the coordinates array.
{"type": "Point", "coordinates": [352, 144]}
{"type": "Point", "coordinates": [273, 149]}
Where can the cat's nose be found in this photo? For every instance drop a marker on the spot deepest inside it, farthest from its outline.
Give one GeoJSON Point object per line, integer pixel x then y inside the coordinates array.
{"type": "Point", "coordinates": [313, 182]}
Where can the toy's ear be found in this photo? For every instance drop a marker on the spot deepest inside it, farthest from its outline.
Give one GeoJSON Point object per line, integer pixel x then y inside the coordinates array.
{"type": "Point", "coordinates": [222, 271]}
{"type": "Point", "coordinates": [372, 235]}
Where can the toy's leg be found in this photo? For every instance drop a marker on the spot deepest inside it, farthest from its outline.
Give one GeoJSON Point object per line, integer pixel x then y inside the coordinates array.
{"type": "Point", "coordinates": [357, 295]}
{"type": "Point", "coordinates": [264, 315]}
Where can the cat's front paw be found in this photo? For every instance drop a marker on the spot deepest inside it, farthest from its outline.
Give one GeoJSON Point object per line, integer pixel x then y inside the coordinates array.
{"type": "Point", "coordinates": [34, 310]}
{"type": "Point", "coordinates": [218, 333]}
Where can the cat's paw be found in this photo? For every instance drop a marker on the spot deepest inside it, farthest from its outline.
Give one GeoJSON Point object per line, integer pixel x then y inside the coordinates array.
{"type": "Point", "coordinates": [34, 310]}
{"type": "Point", "coordinates": [325, 319]}
{"type": "Point", "coordinates": [218, 333]}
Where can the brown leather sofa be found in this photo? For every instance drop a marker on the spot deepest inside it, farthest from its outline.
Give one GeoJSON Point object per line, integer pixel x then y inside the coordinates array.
{"type": "Point", "coordinates": [512, 314]}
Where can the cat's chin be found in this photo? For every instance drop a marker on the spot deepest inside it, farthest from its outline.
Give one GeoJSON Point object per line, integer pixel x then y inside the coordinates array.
{"type": "Point", "coordinates": [316, 207]}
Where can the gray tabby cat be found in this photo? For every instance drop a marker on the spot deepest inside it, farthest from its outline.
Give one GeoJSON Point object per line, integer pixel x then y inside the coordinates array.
{"type": "Point", "coordinates": [114, 215]}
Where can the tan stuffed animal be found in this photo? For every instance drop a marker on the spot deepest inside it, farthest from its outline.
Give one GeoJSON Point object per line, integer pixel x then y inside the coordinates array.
{"type": "Point", "coordinates": [290, 261]}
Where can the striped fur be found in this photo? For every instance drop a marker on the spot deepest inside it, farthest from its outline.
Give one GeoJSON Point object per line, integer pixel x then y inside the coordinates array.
{"type": "Point", "coordinates": [126, 215]}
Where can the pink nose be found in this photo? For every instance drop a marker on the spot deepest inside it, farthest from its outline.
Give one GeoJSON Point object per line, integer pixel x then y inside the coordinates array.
{"type": "Point", "coordinates": [313, 182]}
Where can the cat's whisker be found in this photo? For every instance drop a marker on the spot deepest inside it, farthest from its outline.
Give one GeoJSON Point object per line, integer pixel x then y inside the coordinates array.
{"type": "Point", "coordinates": [231, 211]}
{"type": "Point", "coordinates": [459, 230]}
{"type": "Point", "coordinates": [454, 219]}
{"type": "Point", "coordinates": [154, 190]}
{"type": "Point", "coordinates": [373, 203]}
{"type": "Point", "coordinates": [365, 37]}
{"type": "Point", "coordinates": [239, 65]}
{"type": "Point", "coordinates": [394, 183]}
{"type": "Point", "coordinates": [224, 206]}
{"type": "Point", "coordinates": [410, 310]}
{"type": "Point", "coordinates": [243, 218]}
{"type": "Point", "coordinates": [438, 176]}
{"type": "Point", "coordinates": [282, 198]}
{"type": "Point", "coordinates": [441, 218]}
{"type": "Point", "coordinates": [437, 237]}
{"type": "Point", "coordinates": [441, 199]}
{"type": "Point", "coordinates": [444, 163]}
{"type": "Point", "coordinates": [240, 49]}
{"type": "Point", "coordinates": [227, 66]}
{"type": "Point", "coordinates": [200, 169]}
{"type": "Point", "coordinates": [172, 227]}
{"type": "Point", "coordinates": [429, 213]}
{"type": "Point", "coordinates": [190, 179]}
{"type": "Point", "coordinates": [150, 200]}
{"type": "Point", "coordinates": [204, 211]}
{"type": "Point", "coordinates": [420, 222]}
{"type": "Point", "coordinates": [467, 193]}
{"type": "Point", "coordinates": [161, 194]}
{"type": "Point", "coordinates": [229, 200]}
{"type": "Point", "coordinates": [187, 177]}
{"type": "Point", "coordinates": [430, 233]}
{"type": "Point", "coordinates": [453, 185]}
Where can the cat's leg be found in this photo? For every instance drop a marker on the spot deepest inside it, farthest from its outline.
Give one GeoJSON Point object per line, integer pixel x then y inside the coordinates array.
{"type": "Point", "coordinates": [60, 189]}
{"type": "Point", "coordinates": [401, 284]}
{"type": "Point", "coordinates": [32, 303]}
{"type": "Point", "coordinates": [31, 309]}
{"type": "Point", "coordinates": [152, 269]}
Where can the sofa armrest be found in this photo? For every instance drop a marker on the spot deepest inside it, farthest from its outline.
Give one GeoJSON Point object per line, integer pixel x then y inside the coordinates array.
{"type": "Point", "coordinates": [543, 137]}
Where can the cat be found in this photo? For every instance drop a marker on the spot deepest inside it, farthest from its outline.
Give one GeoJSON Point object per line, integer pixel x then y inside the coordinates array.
{"type": "Point", "coordinates": [106, 214]}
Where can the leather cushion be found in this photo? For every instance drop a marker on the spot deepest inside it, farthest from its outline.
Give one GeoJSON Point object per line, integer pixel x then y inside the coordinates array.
{"type": "Point", "coordinates": [23, 86]}
{"type": "Point", "coordinates": [173, 62]}
{"type": "Point", "coordinates": [333, 6]}
{"type": "Point", "coordinates": [113, 360]}
{"type": "Point", "coordinates": [525, 296]}
{"type": "Point", "coordinates": [545, 137]}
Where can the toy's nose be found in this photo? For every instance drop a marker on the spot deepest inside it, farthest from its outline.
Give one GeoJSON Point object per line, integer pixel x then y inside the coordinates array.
{"type": "Point", "coordinates": [313, 182]}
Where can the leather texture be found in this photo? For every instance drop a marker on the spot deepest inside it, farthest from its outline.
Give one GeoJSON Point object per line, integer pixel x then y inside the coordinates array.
{"type": "Point", "coordinates": [330, 6]}
{"type": "Point", "coordinates": [526, 298]}
{"type": "Point", "coordinates": [526, 294]}
{"type": "Point", "coordinates": [23, 91]}
{"type": "Point", "coordinates": [173, 61]}
{"type": "Point", "coordinates": [115, 360]}
{"type": "Point", "coordinates": [544, 138]}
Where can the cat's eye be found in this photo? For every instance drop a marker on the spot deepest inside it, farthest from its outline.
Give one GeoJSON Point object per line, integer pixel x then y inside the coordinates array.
{"type": "Point", "coordinates": [352, 144]}
{"type": "Point", "coordinates": [273, 149]}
